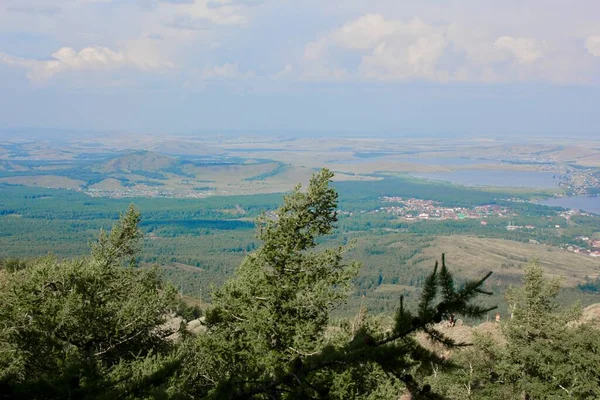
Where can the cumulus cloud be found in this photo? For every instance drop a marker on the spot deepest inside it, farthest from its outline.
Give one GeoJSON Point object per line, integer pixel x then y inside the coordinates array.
{"type": "Point", "coordinates": [400, 62]}
{"type": "Point", "coordinates": [369, 30]}
{"type": "Point", "coordinates": [390, 48]}
{"type": "Point", "coordinates": [365, 33]}
{"type": "Point", "coordinates": [458, 42]}
{"type": "Point", "coordinates": [592, 44]}
{"type": "Point", "coordinates": [416, 49]}
{"type": "Point", "coordinates": [525, 50]}
{"type": "Point", "coordinates": [90, 58]}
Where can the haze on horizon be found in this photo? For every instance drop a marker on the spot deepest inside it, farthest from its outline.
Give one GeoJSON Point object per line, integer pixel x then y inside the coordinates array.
{"type": "Point", "coordinates": [387, 66]}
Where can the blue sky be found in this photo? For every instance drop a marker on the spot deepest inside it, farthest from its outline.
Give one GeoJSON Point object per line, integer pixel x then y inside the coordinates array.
{"type": "Point", "coordinates": [390, 66]}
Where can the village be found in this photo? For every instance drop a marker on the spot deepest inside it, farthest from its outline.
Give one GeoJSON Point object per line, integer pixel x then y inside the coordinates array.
{"type": "Point", "coordinates": [579, 182]}
{"type": "Point", "coordinates": [411, 209]}
{"type": "Point", "coordinates": [587, 246]}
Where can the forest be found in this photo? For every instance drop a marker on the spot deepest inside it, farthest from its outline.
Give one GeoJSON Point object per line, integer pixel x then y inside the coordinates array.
{"type": "Point", "coordinates": [107, 325]}
{"type": "Point", "coordinates": [200, 242]}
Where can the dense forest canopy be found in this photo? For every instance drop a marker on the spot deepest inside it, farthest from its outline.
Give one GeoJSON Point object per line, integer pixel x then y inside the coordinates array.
{"type": "Point", "coordinates": [104, 326]}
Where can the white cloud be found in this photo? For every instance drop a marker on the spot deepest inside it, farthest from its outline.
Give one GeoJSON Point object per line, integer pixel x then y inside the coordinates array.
{"type": "Point", "coordinates": [401, 61]}
{"type": "Point", "coordinates": [474, 43]}
{"type": "Point", "coordinates": [390, 48]}
{"type": "Point", "coordinates": [463, 41]}
{"type": "Point", "coordinates": [525, 50]}
{"type": "Point", "coordinates": [90, 58]}
{"type": "Point", "coordinates": [592, 44]}
{"type": "Point", "coordinates": [364, 33]}
{"type": "Point", "coordinates": [369, 30]}
{"type": "Point", "coordinates": [416, 49]}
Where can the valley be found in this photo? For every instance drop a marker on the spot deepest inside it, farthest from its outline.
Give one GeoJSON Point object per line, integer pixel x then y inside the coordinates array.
{"type": "Point", "coordinates": [397, 200]}
{"type": "Point", "coordinates": [189, 166]}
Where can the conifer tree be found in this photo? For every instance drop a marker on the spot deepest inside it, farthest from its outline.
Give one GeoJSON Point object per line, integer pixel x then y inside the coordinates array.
{"type": "Point", "coordinates": [268, 333]}
{"type": "Point", "coordinates": [83, 328]}
{"type": "Point", "coordinates": [549, 355]}
{"type": "Point", "coordinates": [92, 327]}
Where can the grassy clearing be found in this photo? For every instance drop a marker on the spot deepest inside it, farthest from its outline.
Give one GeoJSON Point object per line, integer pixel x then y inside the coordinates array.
{"type": "Point", "coordinates": [471, 257]}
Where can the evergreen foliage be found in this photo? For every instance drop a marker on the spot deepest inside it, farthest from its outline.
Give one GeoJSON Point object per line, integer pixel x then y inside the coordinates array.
{"type": "Point", "coordinates": [68, 327]}
{"type": "Point", "coordinates": [548, 353]}
{"type": "Point", "coordinates": [95, 327]}
{"type": "Point", "coordinates": [268, 334]}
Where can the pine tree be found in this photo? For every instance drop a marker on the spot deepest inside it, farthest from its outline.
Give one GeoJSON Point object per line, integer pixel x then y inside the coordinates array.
{"type": "Point", "coordinates": [84, 327]}
{"type": "Point", "coordinates": [92, 327]}
{"type": "Point", "coordinates": [268, 329]}
{"type": "Point", "coordinates": [549, 355]}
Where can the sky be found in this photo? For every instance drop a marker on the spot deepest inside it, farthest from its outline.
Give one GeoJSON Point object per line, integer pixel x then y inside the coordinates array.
{"type": "Point", "coordinates": [388, 67]}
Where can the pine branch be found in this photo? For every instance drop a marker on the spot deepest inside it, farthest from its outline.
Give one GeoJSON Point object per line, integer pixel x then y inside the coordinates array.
{"type": "Point", "coordinates": [364, 348]}
{"type": "Point", "coordinates": [429, 293]}
{"type": "Point", "coordinates": [446, 282]}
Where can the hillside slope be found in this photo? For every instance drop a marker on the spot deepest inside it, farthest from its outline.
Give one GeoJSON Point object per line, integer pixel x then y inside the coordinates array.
{"type": "Point", "coordinates": [472, 256]}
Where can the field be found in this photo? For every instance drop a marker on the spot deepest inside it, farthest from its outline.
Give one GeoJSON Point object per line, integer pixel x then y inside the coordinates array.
{"type": "Point", "coordinates": [133, 165]}
{"type": "Point", "coordinates": [200, 196]}
{"type": "Point", "coordinates": [473, 256]}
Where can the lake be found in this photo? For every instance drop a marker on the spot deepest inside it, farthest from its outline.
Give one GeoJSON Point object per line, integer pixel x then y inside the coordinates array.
{"type": "Point", "coordinates": [364, 158]}
{"type": "Point", "coordinates": [585, 203]}
{"type": "Point", "coordinates": [497, 178]}
{"type": "Point", "coordinates": [450, 161]}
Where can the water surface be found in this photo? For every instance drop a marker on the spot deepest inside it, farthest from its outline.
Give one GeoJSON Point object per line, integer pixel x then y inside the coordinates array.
{"type": "Point", "coordinates": [585, 203]}
{"type": "Point", "coordinates": [450, 161]}
{"type": "Point", "coordinates": [495, 178]}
